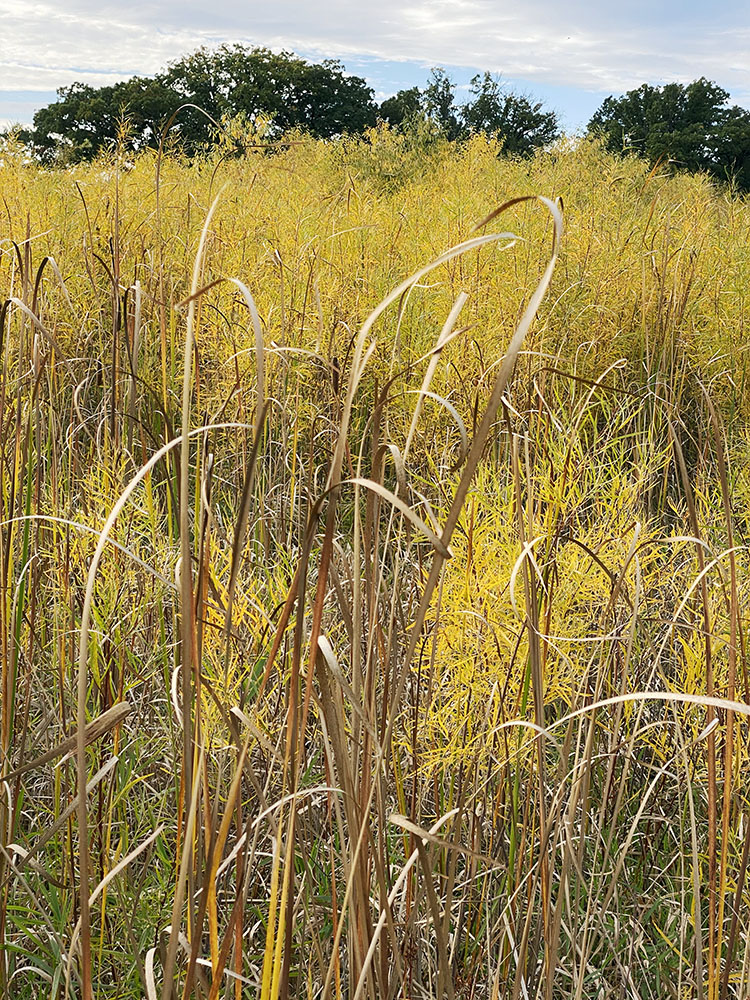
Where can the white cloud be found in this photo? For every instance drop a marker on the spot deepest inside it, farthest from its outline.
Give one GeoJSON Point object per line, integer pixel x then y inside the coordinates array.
{"type": "Point", "coordinates": [578, 44]}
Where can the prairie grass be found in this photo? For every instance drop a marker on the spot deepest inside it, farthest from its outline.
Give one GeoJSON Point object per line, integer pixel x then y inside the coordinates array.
{"type": "Point", "coordinates": [389, 600]}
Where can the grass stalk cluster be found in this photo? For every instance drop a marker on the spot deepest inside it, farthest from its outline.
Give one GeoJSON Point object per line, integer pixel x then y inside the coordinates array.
{"type": "Point", "coordinates": [373, 577]}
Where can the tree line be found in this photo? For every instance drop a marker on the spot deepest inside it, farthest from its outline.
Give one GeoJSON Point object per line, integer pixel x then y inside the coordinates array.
{"type": "Point", "coordinates": [201, 91]}
{"type": "Point", "coordinates": [195, 100]}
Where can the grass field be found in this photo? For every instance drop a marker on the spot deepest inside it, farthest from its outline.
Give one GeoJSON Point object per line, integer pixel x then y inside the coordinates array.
{"type": "Point", "coordinates": [453, 700]}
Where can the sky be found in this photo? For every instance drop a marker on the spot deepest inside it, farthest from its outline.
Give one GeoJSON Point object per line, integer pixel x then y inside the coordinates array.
{"type": "Point", "coordinates": [570, 55]}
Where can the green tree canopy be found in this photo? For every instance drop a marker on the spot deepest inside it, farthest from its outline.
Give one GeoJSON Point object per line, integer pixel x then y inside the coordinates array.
{"type": "Point", "coordinates": [84, 119]}
{"type": "Point", "coordinates": [439, 104]}
{"type": "Point", "coordinates": [229, 81]}
{"type": "Point", "coordinates": [246, 84]}
{"type": "Point", "coordinates": [405, 106]}
{"type": "Point", "coordinates": [523, 125]}
{"type": "Point", "coordinates": [692, 125]}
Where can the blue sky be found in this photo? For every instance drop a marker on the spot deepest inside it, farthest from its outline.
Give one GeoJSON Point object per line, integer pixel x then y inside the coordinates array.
{"type": "Point", "coordinates": [570, 55]}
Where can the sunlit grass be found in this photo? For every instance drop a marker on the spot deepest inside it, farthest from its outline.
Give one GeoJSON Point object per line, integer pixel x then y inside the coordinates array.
{"type": "Point", "coordinates": [323, 688]}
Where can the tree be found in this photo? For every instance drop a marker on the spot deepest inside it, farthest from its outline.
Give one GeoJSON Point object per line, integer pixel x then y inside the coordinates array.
{"type": "Point", "coordinates": [733, 147]}
{"type": "Point", "coordinates": [226, 82]}
{"type": "Point", "coordinates": [404, 107]}
{"type": "Point", "coordinates": [439, 105]}
{"type": "Point", "coordinates": [86, 119]}
{"type": "Point", "coordinates": [691, 125]}
{"type": "Point", "coordinates": [523, 126]}
{"type": "Point", "coordinates": [318, 98]}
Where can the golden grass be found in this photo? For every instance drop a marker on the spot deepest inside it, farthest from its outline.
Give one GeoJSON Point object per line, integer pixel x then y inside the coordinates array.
{"type": "Point", "coordinates": [329, 782]}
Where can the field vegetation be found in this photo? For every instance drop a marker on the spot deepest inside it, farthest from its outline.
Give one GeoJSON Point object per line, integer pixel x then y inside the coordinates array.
{"type": "Point", "coordinates": [374, 575]}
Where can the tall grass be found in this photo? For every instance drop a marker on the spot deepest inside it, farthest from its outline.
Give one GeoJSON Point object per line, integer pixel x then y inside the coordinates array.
{"type": "Point", "coordinates": [374, 570]}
